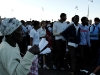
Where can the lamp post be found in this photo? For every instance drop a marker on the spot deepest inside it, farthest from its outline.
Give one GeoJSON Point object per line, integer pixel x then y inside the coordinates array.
{"type": "Point", "coordinates": [42, 13]}
{"type": "Point", "coordinates": [89, 7]}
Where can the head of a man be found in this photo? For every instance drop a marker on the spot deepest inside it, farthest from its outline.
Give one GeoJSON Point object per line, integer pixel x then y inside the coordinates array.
{"type": "Point", "coordinates": [63, 17]}
{"type": "Point", "coordinates": [76, 19]}
{"type": "Point", "coordinates": [96, 21]}
{"type": "Point", "coordinates": [36, 25]}
{"type": "Point", "coordinates": [11, 28]}
{"type": "Point", "coordinates": [84, 21]}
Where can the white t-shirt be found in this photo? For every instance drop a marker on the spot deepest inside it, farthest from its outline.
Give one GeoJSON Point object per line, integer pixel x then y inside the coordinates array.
{"type": "Point", "coordinates": [59, 27]}
{"type": "Point", "coordinates": [35, 35]}
{"type": "Point", "coordinates": [42, 32]}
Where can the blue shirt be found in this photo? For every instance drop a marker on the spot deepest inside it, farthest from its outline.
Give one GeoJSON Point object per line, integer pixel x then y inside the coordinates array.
{"type": "Point", "coordinates": [94, 31]}
{"type": "Point", "coordinates": [84, 35]}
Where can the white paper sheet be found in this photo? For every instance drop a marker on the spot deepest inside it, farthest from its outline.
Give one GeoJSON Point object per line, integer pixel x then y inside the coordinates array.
{"type": "Point", "coordinates": [47, 50]}
{"type": "Point", "coordinates": [42, 43]}
{"type": "Point", "coordinates": [29, 47]}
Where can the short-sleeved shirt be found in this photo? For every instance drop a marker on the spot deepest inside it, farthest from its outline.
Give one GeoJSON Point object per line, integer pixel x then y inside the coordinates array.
{"type": "Point", "coordinates": [42, 32]}
{"type": "Point", "coordinates": [35, 35]}
{"type": "Point", "coordinates": [59, 27]}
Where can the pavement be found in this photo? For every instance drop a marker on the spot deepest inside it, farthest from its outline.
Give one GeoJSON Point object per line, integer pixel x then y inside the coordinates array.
{"type": "Point", "coordinates": [59, 72]}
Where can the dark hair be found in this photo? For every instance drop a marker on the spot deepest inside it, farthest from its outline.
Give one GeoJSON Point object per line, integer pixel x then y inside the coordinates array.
{"type": "Point", "coordinates": [68, 22]}
{"type": "Point", "coordinates": [62, 14]}
{"type": "Point", "coordinates": [23, 22]}
{"type": "Point", "coordinates": [52, 24]}
{"type": "Point", "coordinates": [76, 16]}
{"type": "Point", "coordinates": [36, 23]}
{"type": "Point", "coordinates": [73, 19]}
{"type": "Point", "coordinates": [32, 20]}
{"type": "Point", "coordinates": [84, 18]}
{"type": "Point", "coordinates": [42, 22]}
{"type": "Point", "coordinates": [28, 22]}
{"type": "Point", "coordinates": [90, 20]}
{"type": "Point", "coordinates": [96, 19]}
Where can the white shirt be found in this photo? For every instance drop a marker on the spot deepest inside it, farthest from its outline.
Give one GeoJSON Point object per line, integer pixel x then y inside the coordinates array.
{"type": "Point", "coordinates": [74, 44]}
{"type": "Point", "coordinates": [76, 27]}
{"type": "Point", "coordinates": [35, 35]}
{"type": "Point", "coordinates": [59, 27]}
{"type": "Point", "coordinates": [42, 32]}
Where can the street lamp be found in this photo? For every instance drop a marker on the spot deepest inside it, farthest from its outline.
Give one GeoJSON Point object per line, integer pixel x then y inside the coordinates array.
{"type": "Point", "coordinates": [42, 13]}
{"type": "Point", "coordinates": [89, 7]}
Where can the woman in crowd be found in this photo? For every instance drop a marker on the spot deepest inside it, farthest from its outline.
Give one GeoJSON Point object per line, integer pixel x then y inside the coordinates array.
{"type": "Point", "coordinates": [42, 34]}
{"type": "Point", "coordinates": [34, 40]}
{"type": "Point", "coordinates": [11, 62]}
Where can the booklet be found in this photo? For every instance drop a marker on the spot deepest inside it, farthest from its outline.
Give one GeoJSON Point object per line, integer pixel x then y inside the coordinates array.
{"type": "Point", "coordinates": [43, 43]}
{"type": "Point", "coordinates": [47, 50]}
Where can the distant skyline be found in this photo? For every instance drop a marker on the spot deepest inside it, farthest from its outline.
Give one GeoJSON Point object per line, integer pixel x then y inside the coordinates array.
{"type": "Point", "coordinates": [48, 9]}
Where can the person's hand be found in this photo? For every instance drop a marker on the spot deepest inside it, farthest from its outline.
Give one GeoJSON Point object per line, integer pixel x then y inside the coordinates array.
{"type": "Point", "coordinates": [34, 50]}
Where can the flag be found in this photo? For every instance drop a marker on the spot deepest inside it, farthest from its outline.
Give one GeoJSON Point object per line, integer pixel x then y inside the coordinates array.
{"type": "Point", "coordinates": [76, 7]}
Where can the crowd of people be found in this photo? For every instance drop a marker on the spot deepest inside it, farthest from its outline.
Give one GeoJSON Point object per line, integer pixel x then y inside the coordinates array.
{"type": "Point", "coordinates": [76, 42]}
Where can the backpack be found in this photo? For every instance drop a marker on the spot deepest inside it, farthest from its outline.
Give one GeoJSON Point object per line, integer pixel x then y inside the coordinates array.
{"type": "Point", "coordinates": [94, 29]}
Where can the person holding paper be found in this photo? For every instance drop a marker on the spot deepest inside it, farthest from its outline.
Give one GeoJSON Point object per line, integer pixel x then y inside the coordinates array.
{"type": "Point", "coordinates": [34, 40]}
{"type": "Point", "coordinates": [42, 34]}
{"type": "Point", "coordinates": [11, 62]}
{"type": "Point", "coordinates": [72, 34]}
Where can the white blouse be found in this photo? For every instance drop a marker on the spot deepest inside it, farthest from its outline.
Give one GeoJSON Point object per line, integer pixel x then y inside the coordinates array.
{"type": "Point", "coordinates": [35, 35]}
{"type": "Point", "coordinates": [42, 32]}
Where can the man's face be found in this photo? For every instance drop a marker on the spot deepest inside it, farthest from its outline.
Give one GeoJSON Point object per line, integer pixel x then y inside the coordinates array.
{"type": "Point", "coordinates": [64, 18]}
{"type": "Point", "coordinates": [17, 34]}
{"type": "Point", "coordinates": [96, 22]}
{"type": "Point", "coordinates": [85, 22]}
{"type": "Point", "coordinates": [76, 19]}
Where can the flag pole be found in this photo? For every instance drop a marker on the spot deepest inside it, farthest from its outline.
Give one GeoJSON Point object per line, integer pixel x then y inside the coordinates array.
{"type": "Point", "coordinates": [42, 13]}
{"type": "Point", "coordinates": [88, 13]}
